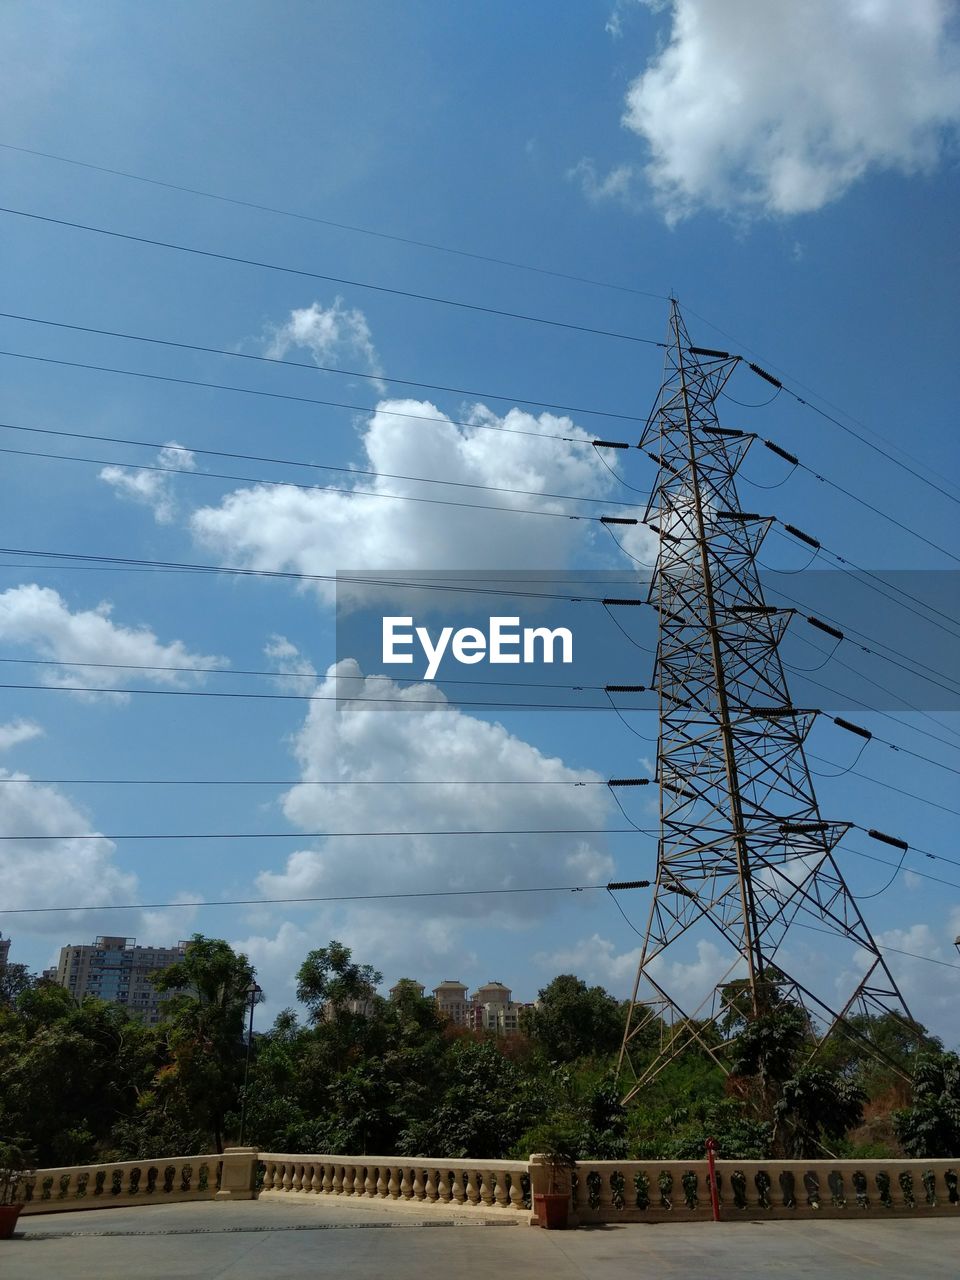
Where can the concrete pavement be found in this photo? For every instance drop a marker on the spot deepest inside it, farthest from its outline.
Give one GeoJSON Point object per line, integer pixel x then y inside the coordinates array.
{"type": "Point", "coordinates": [297, 1240]}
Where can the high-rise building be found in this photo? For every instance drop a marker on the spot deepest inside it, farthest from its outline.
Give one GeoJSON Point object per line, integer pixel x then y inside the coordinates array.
{"type": "Point", "coordinates": [493, 1009]}
{"type": "Point", "coordinates": [451, 997]}
{"type": "Point", "coordinates": [490, 1008]}
{"type": "Point", "coordinates": [117, 970]}
{"type": "Point", "coordinates": [4, 950]}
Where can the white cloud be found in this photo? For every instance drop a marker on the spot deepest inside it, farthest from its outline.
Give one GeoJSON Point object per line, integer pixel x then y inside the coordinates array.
{"type": "Point", "coordinates": [169, 923]}
{"type": "Point", "coordinates": [154, 489]}
{"type": "Point", "coordinates": [929, 989]}
{"type": "Point", "coordinates": [620, 183]}
{"type": "Point", "coordinates": [39, 618]}
{"type": "Point", "coordinates": [52, 871]}
{"type": "Point", "coordinates": [364, 741]}
{"type": "Point", "coordinates": [329, 334]}
{"type": "Point", "coordinates": [595, 960]}
{"type": "Point", "coordinates": [321, 532]}
{"type": "Point", "coordinates": [16, 731]}
{"type": "Point", "coordinates": [296, 673]}
{"type": "Point", "coordinates": [754, 106]}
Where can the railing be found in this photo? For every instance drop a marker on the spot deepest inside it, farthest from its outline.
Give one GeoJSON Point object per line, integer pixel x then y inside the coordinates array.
{"type": "Point", "coordinates": [657, 1191]}
{"type": "Point", "coordinates": [600, 1191]}
{"type": "Point", "coordinates": [126, 1182]}
{"type": "Point", "coordinates": [481, 1184]}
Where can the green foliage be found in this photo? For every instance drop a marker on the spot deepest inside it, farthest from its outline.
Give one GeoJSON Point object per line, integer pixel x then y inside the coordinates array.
{"type": "Point", "coordinates": [368, 1075]}
{"type": "Point", "coordinates": [203, 1026]}
{"type": "Point", "coordinates": [930, 1127]}
{"type": "Point", "coordinates": [739, 1135]}
{"type": "Point", "coordinates": [574, 1021]}
{"type": "Point", "coordinates": [15, 979]}
{"type": "Point", "coordinates": [814, 1105]}
{"type": "Point", "coordinates": [329, 979]}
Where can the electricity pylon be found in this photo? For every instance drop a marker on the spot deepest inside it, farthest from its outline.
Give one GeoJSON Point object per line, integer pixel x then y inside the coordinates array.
{"type": "Point", "coordinates": [745, 858]}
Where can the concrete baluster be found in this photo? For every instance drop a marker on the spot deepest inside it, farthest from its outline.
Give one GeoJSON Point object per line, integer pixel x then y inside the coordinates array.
{"type": "Point", "coordinates": [473, 1194]}
{"type": "Point", "coordinates": [393, 1185]}
{"type": "Point", "coordinates": [459, 1194]}
{"type": "Point", "coordinates": [406, 1191]}
{"type": "Point", "coordinates": [443, 1186]}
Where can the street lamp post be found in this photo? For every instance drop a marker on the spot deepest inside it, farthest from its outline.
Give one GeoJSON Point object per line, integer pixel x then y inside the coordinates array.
{"type": "Point", "coordinates": [254, 992]}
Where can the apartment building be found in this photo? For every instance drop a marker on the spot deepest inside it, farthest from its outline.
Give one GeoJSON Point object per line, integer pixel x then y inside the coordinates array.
{"type": "Point", "coordinates": [116, 969]}
{"type": "Point", "coordinates": [490, 1008]}
{"type": "Point", "coordinates": [451, 998]}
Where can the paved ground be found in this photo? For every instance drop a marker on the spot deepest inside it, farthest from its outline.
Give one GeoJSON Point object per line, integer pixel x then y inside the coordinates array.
{"type": "Point", "coordinates": [172, 1242]}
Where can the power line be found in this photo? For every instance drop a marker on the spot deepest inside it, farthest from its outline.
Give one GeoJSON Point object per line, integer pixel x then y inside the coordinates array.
{"type": "Point", "coordinates": [854, 569]}
{"type": "Point", "coordinates": [337, 897]}
{"type": "Point", "coordinates": [822, 413]}
{"type": "Point", "coordinates": [303, 674]}
{"type": "Point", "coordinates": [352, 580]}
{"type": "Point", "coordinates": [906, 528]}
{"type": "Point", "coordinates": [333, 404]}
{"type": "Point", "coordinates": [848, 631]}
{"type": "Point", "coordinates": [270, 573]}
{"type": "Point", "coordinates": [321, 488]}
{"type": "Point", "coordinates": [880, 782]}
{"type": "Point", "coordinates": [339, 226]}
{"type": "Point", "coordinates": [352, 373]}
{"type": "Point", "coordinates": [337, 835]}
{"type": "Point", "coordinates": [330, 279]}
{"type": "Point", "coordinates": [402, 701]}
{"type": "Point", "coordinates": [449, 250]}
{"type": "Point", "coordinates": [309, 782]}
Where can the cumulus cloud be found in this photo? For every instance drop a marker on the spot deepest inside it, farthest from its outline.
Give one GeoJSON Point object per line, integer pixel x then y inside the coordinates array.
{"type": "Point", "coordinates": [908, 952]}
{"type": "Point", "coordinates": [329, 334]}
{"type": "Point", "coordinates": [358, 740]}
{"type": "Point", "coordinates": [40, 619]}
{"type": "Point", "coordinates": [779, 108]}
{"type": "Point", "coordinates": [308, 531]}
{"type": "Point", "coordinates": [16, 731]}
{"type": "Point", "coordinates": [53, 871]}
{"type": "Point", "coordinates": [153, 489]}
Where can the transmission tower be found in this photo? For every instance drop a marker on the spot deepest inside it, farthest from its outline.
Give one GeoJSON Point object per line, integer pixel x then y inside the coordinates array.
{"type": "Point", "coordinates": [745, 861]}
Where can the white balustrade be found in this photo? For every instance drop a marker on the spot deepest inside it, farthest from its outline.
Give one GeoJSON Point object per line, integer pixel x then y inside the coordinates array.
{"type": "Point", "coordinates": [601, 1191]}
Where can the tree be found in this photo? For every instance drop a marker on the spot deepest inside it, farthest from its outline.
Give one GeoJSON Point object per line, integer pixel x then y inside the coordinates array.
{"type": "Point", "coordinates": [204, 1027]}
{"type": "Point", "coordinates": [486, 1104]}
{"type": "Point", "coordinates": [930, 1127]}
{"type": "Point", "coordinates": [575, 1021]}
{"type": "Point", "coordinates": [329, 979]}
{"type": "Point", "coordinates": [70, 1072]}
{"type": "Point", "coordinates": [14, 980]}
{"type": "Point", "coordinates": [816, 1104]}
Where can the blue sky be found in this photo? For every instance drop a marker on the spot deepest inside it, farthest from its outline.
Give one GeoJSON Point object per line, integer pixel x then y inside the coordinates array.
{"type": "Point", "coordinates": [801, 207]}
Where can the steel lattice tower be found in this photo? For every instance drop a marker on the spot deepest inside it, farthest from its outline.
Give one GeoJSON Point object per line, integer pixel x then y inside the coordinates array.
{"type": "Point", "coordinates": [745, 857]}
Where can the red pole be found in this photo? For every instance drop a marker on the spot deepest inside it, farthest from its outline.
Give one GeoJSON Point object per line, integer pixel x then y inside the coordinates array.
{"type": "Point", "coordinates": [712, 1179]}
